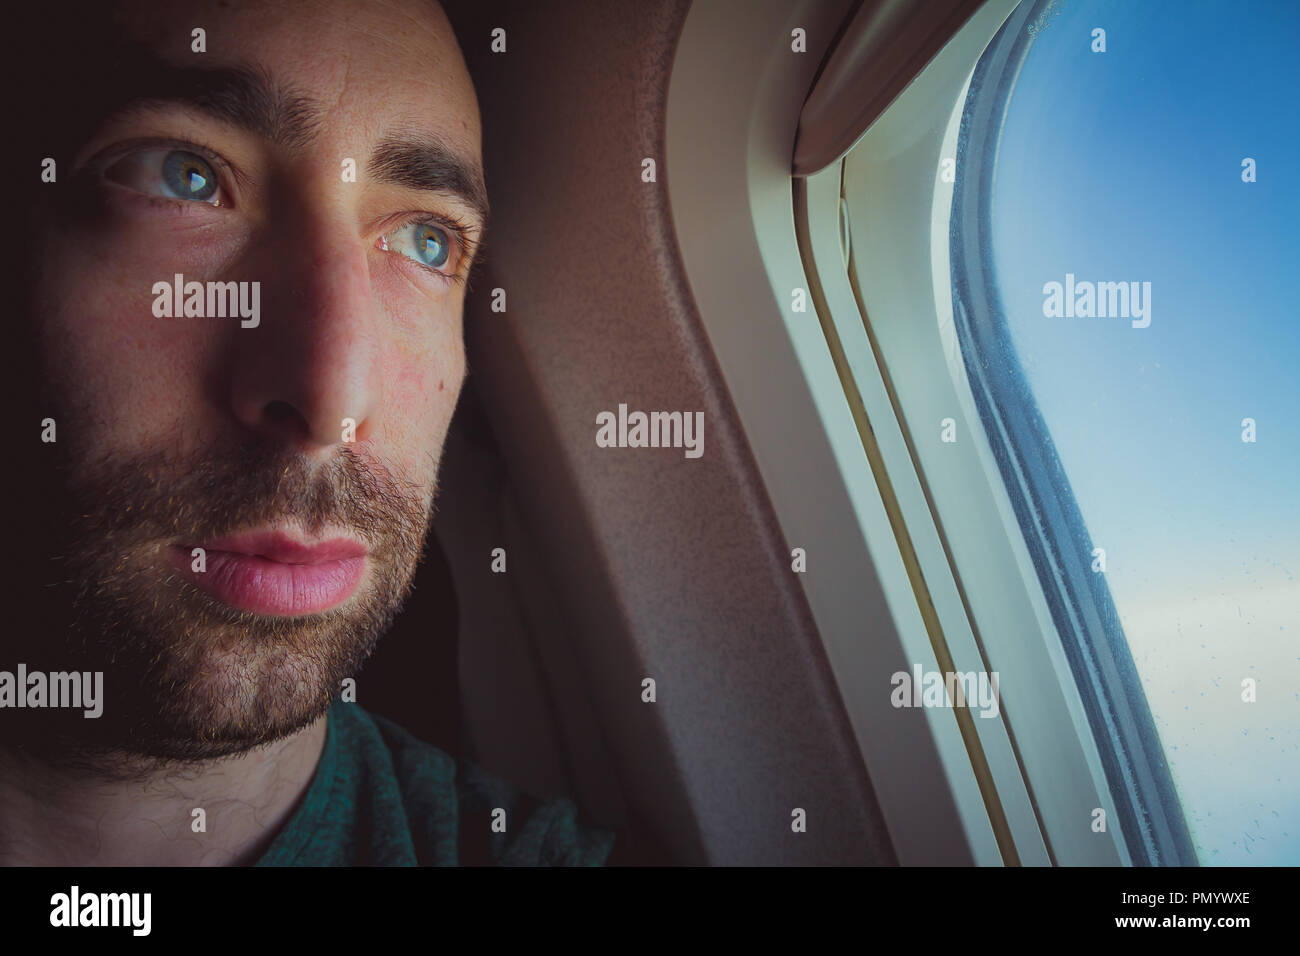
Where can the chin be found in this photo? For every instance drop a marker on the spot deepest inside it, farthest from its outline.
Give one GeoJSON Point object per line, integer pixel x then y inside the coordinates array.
{"type": "Point", "coordinates": [191, 679]}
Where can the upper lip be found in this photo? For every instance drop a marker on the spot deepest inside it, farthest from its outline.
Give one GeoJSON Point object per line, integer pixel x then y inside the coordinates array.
{"type": "Point", "coordinates": [286, 549]}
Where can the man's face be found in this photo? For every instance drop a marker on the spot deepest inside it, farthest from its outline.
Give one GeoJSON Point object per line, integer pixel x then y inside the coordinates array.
{"type": "Point", "coordinates": [328, 152]}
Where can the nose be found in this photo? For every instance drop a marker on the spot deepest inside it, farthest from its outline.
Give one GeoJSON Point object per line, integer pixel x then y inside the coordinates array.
{"type": "Point", "coordinates": [308, 373]}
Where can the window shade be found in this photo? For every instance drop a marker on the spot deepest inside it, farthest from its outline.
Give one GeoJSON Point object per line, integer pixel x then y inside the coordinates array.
{"type": "Point", "coordinates": [883, 47]}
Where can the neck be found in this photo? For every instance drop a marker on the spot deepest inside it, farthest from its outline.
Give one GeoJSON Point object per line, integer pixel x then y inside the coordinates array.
{"type": "Point", "coordinates": [54, 814]}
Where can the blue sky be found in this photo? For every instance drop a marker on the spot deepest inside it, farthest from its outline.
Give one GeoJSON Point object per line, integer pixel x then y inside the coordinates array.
{"type": "Point", "coordinates": [1126, 166]}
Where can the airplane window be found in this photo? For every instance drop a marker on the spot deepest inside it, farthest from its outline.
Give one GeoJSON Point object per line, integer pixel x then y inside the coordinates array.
{"type": "Point", "coordinates": [1131, 342]}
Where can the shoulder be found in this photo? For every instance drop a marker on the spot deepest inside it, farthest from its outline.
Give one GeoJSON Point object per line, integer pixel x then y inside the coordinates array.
{"type": "Point", "coordinates": [457, 813]}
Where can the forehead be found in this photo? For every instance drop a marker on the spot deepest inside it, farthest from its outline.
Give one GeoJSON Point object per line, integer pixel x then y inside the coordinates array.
{"type": "Point", "coordinates": [371, 65]}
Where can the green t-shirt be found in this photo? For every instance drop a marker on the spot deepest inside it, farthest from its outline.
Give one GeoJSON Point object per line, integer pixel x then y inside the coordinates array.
{"type": "Point", "coordinates": [382, 797]}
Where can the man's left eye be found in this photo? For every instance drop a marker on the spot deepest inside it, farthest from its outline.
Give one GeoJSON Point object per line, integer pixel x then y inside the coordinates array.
{"type": "Point", "coordinates": [423, 242]}
{"type": "Point", "coordinates": [168, 173]}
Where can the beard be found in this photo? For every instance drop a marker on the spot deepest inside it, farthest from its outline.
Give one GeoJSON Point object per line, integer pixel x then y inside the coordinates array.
{"type": "Point", "coordinates": [186, 676]}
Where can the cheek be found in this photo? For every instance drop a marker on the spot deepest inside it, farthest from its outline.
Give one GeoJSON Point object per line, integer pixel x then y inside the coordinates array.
{"type": "Point", "coordinates": [421, 396]}
{"type": "Point", "coordinates": [118, 372]}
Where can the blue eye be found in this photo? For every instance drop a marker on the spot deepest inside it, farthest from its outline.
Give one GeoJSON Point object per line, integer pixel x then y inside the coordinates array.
{"type": "Point", "coordinates": [422, 242]}
{"type": "Point", "coordinates": [431, 244]}
{"type": "Point", "coordinates": [168, 173]}
{"type": "Point", "coordinates": [188, 176]}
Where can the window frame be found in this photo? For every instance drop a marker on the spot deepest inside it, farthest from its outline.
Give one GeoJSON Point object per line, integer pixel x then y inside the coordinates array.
{"type": "Point", "coordinates": [1037, 757]}
{"type": "Point", "coordinates": [870, 534]}
{"type": "Point", "coordinates": [978, 548]}
{"type": "Point", "coordinates": [734, 100]}
{"type": "Point", "coordinates": [1046, 510]}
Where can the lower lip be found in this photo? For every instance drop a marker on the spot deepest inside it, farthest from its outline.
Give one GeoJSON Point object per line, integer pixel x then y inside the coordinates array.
{"type": "Point", "coordinates": [254, 583]}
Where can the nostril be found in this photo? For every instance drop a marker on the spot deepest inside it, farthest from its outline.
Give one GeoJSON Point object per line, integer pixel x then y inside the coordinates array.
{"type": "Point", "coordinates": [279, 412]}
{"type": "Point", "coordinates": [284, 420]}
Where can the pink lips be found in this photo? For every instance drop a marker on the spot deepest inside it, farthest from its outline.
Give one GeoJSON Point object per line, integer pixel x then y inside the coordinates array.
{"type": "Point", "coordinates": [273, 573]}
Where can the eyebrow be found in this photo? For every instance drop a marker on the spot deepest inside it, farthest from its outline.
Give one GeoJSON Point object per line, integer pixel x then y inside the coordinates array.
{"type": "Point", "coordinates": [426, 162]}
{"type": "Point", "coordinates": [251, 99]}
{"type": "Point", "coordinates": [242, 96]}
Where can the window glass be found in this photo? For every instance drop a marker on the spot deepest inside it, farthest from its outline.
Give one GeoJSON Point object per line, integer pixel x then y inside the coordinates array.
{"type": "Point", "coordinates": [1143, 234]}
